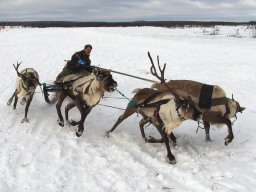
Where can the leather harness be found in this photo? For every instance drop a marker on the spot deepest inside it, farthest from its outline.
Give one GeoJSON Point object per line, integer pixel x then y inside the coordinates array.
{"type": "Point", "coordinates": [155, 104]}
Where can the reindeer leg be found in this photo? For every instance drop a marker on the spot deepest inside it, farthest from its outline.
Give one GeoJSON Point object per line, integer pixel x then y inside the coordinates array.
{"type": "Point", "coordinates": [230, 136]}
{"type": "Point", "coordinates": [15, 101]}
{"type": "Point", "coordinates": [67, 108]}
{"type": "Point", "coordinates": [151, 139]}
{"type": "Point", "coordinates": [170, 158]}
{"type": "Point", "coordinates": [10, 100]}
{"type": "Point", "coordinates": [80, 129]}
{"type": "Point", "coordinates": [207, 130]}
{"type": "Point", "coordinates": [128, 112]}
{"type": "Point", "coordinates": [26, 109]}
{"type": "Point", "coordinates": [172, 139]}
{"type": "Point", "coordinates": [58, 107]}
{"type": "Point", "coordinates": [84, 111]}
{"type": "Point", "coordinates": [78, 102]}
{"type": "Point", "coordinates": [214, 117]}
{"type": "Point", "coordinates": [143, 122]}
{"type": "Point", "coordinates": [23, 101]}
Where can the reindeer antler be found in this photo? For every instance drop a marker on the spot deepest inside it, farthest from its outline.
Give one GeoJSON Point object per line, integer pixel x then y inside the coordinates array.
{"type": "Point", "coordinates": [153, 69]}
{"type": "Point", "coordinates": [154, 73]}
{"type": "Point", "coordinates": [16, 68]}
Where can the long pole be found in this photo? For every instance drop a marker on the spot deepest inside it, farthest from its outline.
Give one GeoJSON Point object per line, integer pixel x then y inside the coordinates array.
{"type": "Point", "coordinates": [121, 73]}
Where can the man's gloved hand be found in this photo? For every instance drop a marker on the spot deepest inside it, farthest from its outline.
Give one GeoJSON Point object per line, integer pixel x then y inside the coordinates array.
{"type": "Point", "coordinates": [81, 62]}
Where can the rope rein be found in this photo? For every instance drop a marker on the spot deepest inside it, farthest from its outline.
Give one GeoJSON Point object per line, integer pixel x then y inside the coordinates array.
{"type": "Point", "coordinates": [111, 106]}
{"type": "Point", "coordinates": [132, 103]}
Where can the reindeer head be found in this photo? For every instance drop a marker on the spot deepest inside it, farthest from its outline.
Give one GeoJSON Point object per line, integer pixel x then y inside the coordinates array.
{"type": "Point", "coordinates": [30, 82]}
{"type": "Point", "coordinates": [234, 108]}
{"type": "Point", "coordinates": [105, 79]}
{"type": "Point", "coordinates": [187, 109]}
{"type": "Point", "coordinates": [29, 79]}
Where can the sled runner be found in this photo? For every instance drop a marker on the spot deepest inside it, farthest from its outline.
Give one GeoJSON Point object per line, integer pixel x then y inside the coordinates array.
{"type": "Point", "coordinates": [51, 92]}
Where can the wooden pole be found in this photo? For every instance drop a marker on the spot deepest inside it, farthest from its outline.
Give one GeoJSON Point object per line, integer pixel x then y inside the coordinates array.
{"type": "Point", "coordinates": [121, 73]}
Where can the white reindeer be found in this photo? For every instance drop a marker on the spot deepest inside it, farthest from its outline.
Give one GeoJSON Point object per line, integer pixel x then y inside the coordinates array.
{"type": "Point", "coordinates": [26, 83]}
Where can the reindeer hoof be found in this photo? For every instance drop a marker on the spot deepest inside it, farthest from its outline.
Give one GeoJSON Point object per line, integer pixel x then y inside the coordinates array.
{"type": "Point", "coordinates": [79, 133]}
{"type": "Point", "coordinates": [72, 122]}
{"type": "Point", "coordinates": [107, 134]}
{"type": "Point", "coordinates": [227, 141]}
{"type": "Point", "coordinates": [171, 161]}
{"type": "Point", "coordinates": [150, 139]}
{"type": "Point", "coordinates": [9, 102]}
{"type": "Point", "coordinates": [61, 123]}
{"type": "Point", "coordinates": [208, 139]}
{"type": "Point", "coordinates": [23, 101]}
{"type": "Point", "coordinates": [24, 120]}
{"type": "Point", "coordinates": [173, 143]}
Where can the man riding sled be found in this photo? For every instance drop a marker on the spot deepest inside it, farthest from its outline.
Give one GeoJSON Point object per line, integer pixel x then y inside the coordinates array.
{"type": "Point", "coordinates": [80, 64]}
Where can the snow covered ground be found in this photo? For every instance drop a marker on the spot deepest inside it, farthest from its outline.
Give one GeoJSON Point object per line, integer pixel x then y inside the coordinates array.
{"type": "Point", "coordinates": [42, 156]}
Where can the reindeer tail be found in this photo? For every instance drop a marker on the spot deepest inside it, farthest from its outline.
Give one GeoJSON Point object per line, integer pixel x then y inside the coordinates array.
{"type": "Point", "coordinates": [136, 90]}
{"type": "Point", "coordinates": [155, 85]}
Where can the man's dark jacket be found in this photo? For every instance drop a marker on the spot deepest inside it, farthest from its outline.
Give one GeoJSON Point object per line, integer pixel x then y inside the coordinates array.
{"type": "Point", "coordinates": [75, 66]}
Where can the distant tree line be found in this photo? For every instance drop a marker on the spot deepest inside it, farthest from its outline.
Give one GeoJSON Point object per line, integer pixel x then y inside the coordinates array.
{"type": "Point", "coordinates": [169, 24]}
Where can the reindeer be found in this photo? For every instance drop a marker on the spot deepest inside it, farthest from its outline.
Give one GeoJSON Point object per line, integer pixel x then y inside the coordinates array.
{"type": "Point", "coordinates": [210, 100]}
{"type": "Point", "coordinates": [26, 83]}
{"type": "Point", "coordinates": [84, 92]}
{"type": "Point", "coordinates": [161, 109]}
{"type": "Point", "coordinates": [165, 117]}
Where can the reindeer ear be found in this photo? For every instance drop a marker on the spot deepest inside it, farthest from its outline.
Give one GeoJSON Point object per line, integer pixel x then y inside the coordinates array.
{"type": "Point", "coordinates": [95, 72]}
{"type": "Point", "coordinates": [241, 109]}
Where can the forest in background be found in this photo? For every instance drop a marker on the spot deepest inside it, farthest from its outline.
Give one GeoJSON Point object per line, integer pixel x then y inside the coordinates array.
{"type": "Point", "coordinates": [168, 24]}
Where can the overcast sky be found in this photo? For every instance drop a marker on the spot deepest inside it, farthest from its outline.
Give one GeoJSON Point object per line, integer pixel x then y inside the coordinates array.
{"type": "Point", "coordinates": [128, 10]}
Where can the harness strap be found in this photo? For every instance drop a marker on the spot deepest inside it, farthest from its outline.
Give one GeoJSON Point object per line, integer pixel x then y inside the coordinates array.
{"type": "Point", "coordinates": [61, 84]}
{"type": "Point", "coordinates": [156, 114]}
{"type": "Point", "coordinates": [227, 110]}
{"type": "Point", "coordinates": [145, 103]}
{"type": "Point", "coordinates": [155, 104]}
{"type": "Point", "coordinates": [222, 101]}
{"type": "Point", "coordinates": [219, 101]}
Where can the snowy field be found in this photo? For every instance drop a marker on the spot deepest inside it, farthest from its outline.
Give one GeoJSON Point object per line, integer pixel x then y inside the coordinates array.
{"type": "Point", "coordinates": [44, 157]}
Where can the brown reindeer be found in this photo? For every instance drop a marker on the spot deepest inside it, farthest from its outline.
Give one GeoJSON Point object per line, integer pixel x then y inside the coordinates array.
{"type": "Point", "coordinates": [84, 92]}
{"type": "Point", "coordinates": [161, 109]}
{"type": "Point", "coordinates": [26, 83]}
{"type": "Point", "coordinates": [210, 100]}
